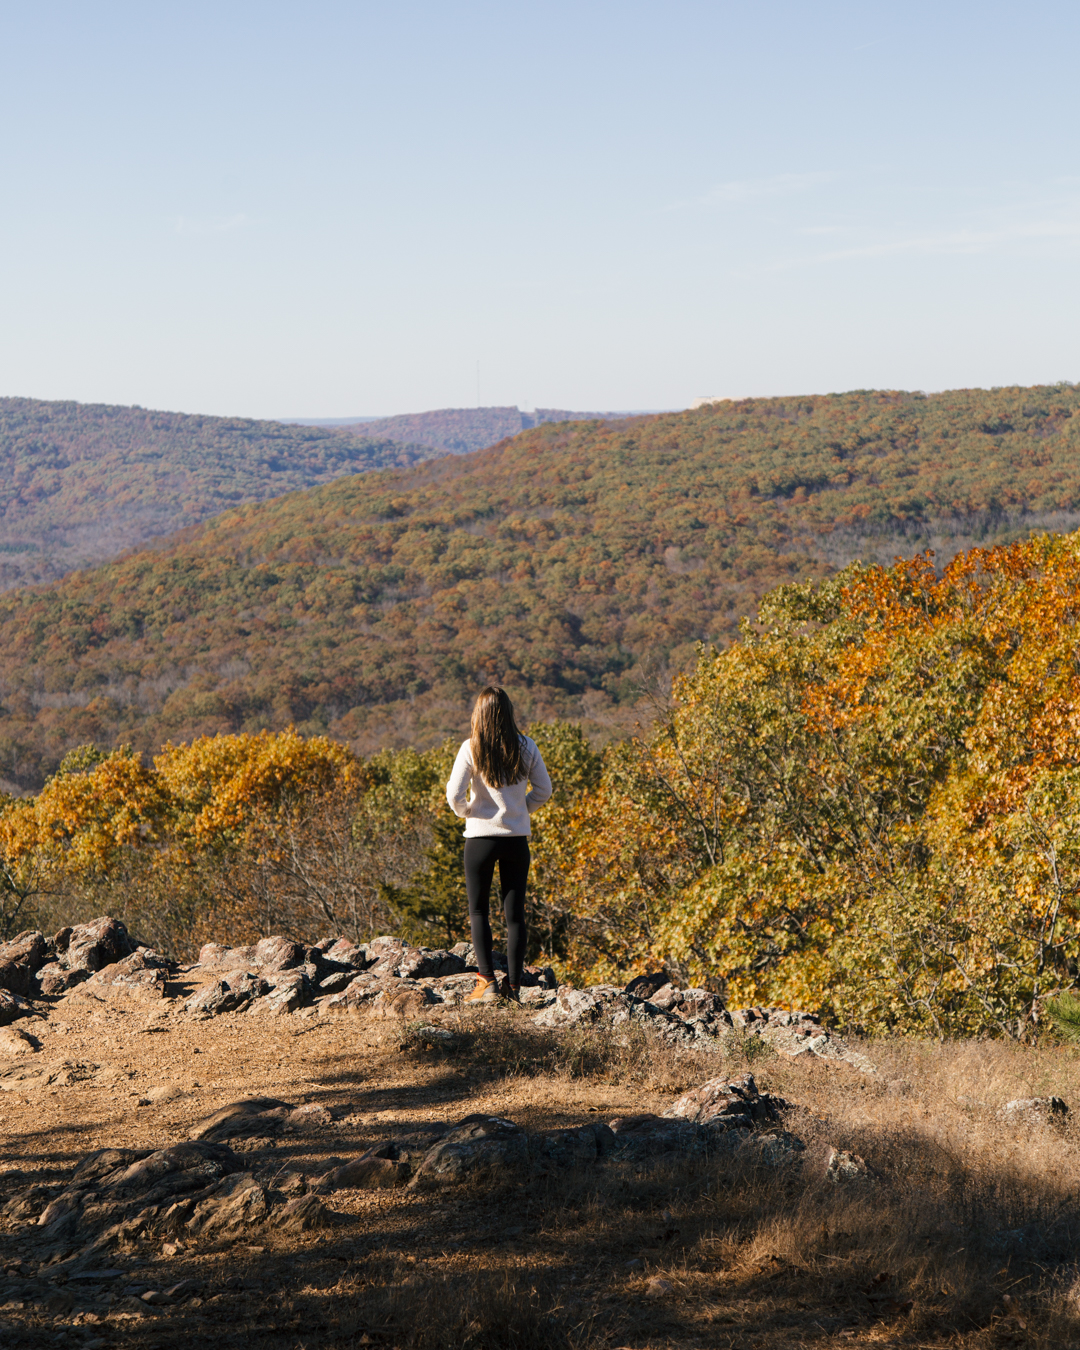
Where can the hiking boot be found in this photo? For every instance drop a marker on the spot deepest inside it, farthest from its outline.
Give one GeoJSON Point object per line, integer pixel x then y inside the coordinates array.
{"type": "Point", "coordinates": [486, 991]}
{"type": "Point", "coordinates": [509, 991]}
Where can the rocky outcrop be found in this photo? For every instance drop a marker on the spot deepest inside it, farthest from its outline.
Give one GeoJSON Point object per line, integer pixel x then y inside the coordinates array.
{"type": "Point", "coordinates": [387, 977]}
{"type": "Point", "coordinates": [798, 1035]}
{"type": "Point", "coordinates": [727, 1104]}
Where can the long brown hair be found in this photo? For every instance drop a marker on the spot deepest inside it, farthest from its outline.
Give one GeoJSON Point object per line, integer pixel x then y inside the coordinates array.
{"type": "Point", "coordinates": [498, 750]}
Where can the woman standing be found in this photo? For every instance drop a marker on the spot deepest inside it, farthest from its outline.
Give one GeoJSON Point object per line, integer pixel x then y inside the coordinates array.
{"type": "Point", "coordinates": [509, 781]}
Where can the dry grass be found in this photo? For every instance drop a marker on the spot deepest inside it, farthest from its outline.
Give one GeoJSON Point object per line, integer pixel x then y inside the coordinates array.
{"type": "Point", "coordinates": [966, 1234]}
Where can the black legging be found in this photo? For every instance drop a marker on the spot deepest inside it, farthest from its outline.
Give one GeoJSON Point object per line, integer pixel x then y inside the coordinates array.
{"type": "Point", "coordinates": [511, 852]}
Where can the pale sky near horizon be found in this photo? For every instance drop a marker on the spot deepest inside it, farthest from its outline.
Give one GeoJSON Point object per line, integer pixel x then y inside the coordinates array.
{"type": "Point", "coordinates": [326, 209]}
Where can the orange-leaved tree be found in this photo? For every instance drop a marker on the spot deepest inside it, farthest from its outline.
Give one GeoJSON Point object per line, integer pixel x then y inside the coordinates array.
{"type": "Point", "coordinates": [868, 805]}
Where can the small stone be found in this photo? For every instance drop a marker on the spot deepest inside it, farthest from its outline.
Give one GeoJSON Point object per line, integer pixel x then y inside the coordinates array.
{"type": "Point", "coordinates": [155, 1297]}
{"type": "Point", "coordinates": [845, 1166]}
{"type": "Point", "coordinates": [635, 1263]}
{"type": "Point", "coordinates": [658, 1288]}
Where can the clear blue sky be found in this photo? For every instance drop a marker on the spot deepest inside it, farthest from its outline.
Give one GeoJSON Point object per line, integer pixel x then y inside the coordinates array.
{"type": "Point", "coordinates": [321, 209]}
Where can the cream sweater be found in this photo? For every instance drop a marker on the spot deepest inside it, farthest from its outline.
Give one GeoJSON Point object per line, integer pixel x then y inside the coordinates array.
{"type": "Point", "coordinates": [497, 811]}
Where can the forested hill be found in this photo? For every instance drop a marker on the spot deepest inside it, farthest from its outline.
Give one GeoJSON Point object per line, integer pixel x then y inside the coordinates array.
{"type": "Point", "coordinates": [559, 561]}
{"type": "Point", "coordinates": [462, 430]}
{"type": "Point", "coordinates": [80, 483]}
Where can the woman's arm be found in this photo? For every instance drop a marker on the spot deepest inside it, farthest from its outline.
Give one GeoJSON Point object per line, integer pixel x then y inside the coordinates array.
{"type": "Point", "coordinates": [457, 789]}
{"type": "Point", "coordinates": [541, 783]}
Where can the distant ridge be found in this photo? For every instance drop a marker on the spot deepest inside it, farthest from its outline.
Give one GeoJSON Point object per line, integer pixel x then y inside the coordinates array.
{"type": "Point", "coordinates": [82, 482]}
{"type": "Point", "coordinates": [575, 563]}
{"type": "Point", "coordinates": [459, 431]}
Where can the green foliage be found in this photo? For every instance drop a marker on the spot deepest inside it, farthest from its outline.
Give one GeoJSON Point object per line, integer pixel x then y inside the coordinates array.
{"type": "Point", "coordinates": [561, 562]}
{"type": "Point", "coordinates": [1064, 1014]}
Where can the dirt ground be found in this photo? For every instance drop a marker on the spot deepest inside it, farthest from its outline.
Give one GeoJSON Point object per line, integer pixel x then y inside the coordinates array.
{"type": "Point", "coordinates": [964, 1231]}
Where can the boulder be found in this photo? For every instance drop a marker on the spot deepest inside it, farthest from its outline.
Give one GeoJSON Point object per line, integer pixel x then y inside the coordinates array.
{"type": "Point", "coordinates": [235, 1204]}
{"type": "Point", "coordinates": [144, 972]}
{"type": "Point", "coordinates": [340, 951]}
{"type": "Point", "coordinates": [302, 1213]}
{"type": "Point", "coordinates": [727, 1104]}
{"type": "Point", "coordinates": [1034, 1111]}
{"type": "Point", "coordinates": [406, 1000]}
{"type": "Point", "coordinates": [90, 946]}
{"type": "Point", "coordinates": [55, 979]}
{"type": "Point", "coordinates": [477, 1144]}
{"type": "Point", "coordinates": [227, 996]}
{"type": "Point", "coordinates": [646, 986]}
{"type": "Point", "coordinates": [289, 990]}
{"type": "Point", "coordinates": [646, 1136]}
{"type": "Point", "coordinates": [20, 961]}
{"type": "Point", "coordinates": [375, 1169]}
{"type": "Point", "coordinates": [252, 1117]}
{"type": "Point", "coordinates": [563, 1149]}
{"type": "Point", "coordinates": [12, 1007]}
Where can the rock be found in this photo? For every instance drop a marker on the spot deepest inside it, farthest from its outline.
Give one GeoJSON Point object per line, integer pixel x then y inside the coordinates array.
{"type": "Point", "coordinates": [269, 954]}
{"type": "Point", "coordinates": [104, 1161]}
{"type": "Point", "coordinates": [254, 1116]}
{"type": "Point", "coordinates": [563, 1149]}
{"type": "Point", "coordinates": [645, 986]}
{"type": "Point", "coordinates": [311, 1116]}
{"type": "Point", "coordinates": [227, 996]}
{"type": "Point", "coordinates": [340, 951]}
{"type": "Point", "coordinates": [12, 1007]}
{"type": "Point", "coordinates": [775, 1148]}
{"type": "Point", "coordinates": [278, 953]}
{"type": "Point", "coordinates": [406, 1000]}
{"type": "Point", "coordinates": [289, 991]}
{"type": "Point", "coordinates": [201, 1163]}
{"type": "Point", "coordinates": [844, 1166]}
{"type": "Point", "coordinates": [302, 1213]}
{"type": "Point", "coordinates": [799, 1035]}
{"type": "Point", "coordinates": [613, 1007]}
{"type": "Point", "coordinates": [142, 972]}
{"type": "Point", "coordinates": [645, 1136]}
{"type": "Point", "coordinates": [20, 960]}
{"type": "Point", "coordinates": [237, 1203]}
{"type": "Point", "coordinates": [335, 981]}
{"type": "Point", "coordinates": [697, 1005]}
{"type": "Point", "coordinates": [16, 1042]}
{"type": "Point", "coordinates": [165, 1092]}
{"type": "Point", "coordinates": [440, 1038]}
{"type": "Point", "coordinates": [90, 946]}
{"type": "Point", "coordinates": [1034, 1111]}
{"type": "Point", "coordinates": [372, 1170]}
{"type": "Point", "coordinates": [727, 1104]}
{"type": "Point", "coordinates": [658, 1288]}
{"type": "Point", "coordinates": [55, 979]}
{"type": "Point", "coordinates": [475, 1145]}
{"type": "Point", "coordinates": [428, 963]}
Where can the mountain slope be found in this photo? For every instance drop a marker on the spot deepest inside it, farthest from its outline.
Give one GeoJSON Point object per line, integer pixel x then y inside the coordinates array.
{"type": "Point", "coordinates": [80, 482]}
{"type": "Point", "coordinates": [561, 562]}
{"type": "Point", "coordinates": [462, 430]}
